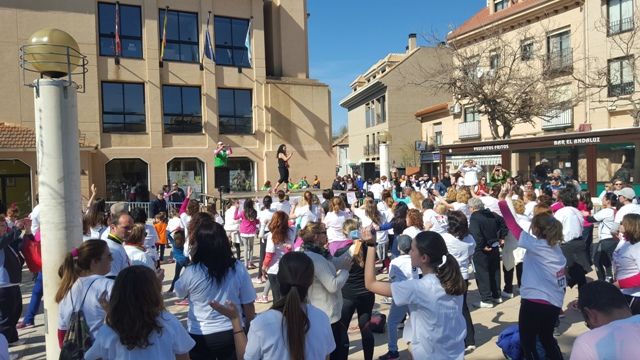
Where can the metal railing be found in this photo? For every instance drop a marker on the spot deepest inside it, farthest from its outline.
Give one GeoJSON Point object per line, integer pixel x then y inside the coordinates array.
{"type": "Point", "coordinates": [559, 62]}
{"type": "Point", "coordinates": [558, 119]}
{"type": "Point", "coordinates": [144, 205]}
{"type": "Point", "coordinates": [621, 89]}
{"type": "Point", "coordinates": [469, 130]}
{"type": "Point", "coordinates": [370, 150]}
{"type": "Point", "coordinates": [620, 26]}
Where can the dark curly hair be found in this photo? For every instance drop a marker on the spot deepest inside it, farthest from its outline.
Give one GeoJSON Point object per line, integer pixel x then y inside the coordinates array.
{"type": "Point", "coordinates": [135, 305]}
{"type": "Point", "coordinates": [210, 246]}
{"type": "Point", "coordinates": [458, 224]}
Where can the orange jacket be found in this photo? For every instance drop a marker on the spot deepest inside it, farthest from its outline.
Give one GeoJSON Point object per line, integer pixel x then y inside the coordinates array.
{"type": "Point", "coordinates": [161, 228]}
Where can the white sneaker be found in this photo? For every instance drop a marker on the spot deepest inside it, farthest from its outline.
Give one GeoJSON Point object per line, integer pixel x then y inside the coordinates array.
{"type": "Point", "coordinates": [497, 300]}
{"type": "Point", "coordinates": [469, 348]}
{"type": "Point", "coordinates": [483, 304]}
{"type": "Point", "coordinates": [507, 295]}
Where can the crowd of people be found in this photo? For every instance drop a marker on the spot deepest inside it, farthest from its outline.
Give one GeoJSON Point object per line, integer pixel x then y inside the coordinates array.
{"type": "Point", "coordinates": [319, 263]}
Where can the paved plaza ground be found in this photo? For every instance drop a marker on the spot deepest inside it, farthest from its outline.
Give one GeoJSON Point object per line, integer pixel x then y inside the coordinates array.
{"type": "Point", "coordinates": [488, 324]}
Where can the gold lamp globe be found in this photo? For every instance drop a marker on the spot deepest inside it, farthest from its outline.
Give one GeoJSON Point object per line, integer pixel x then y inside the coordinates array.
{"type": "Point", "coordinates": [47, 52]}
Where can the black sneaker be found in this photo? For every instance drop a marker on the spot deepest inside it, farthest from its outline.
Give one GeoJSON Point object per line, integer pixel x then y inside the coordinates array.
{"type": "Point", "coordinates": [391, 355]}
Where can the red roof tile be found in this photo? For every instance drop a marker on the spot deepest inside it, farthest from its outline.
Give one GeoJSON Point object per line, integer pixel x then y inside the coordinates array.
{"type": "Point", "coordinates": [14, 136]}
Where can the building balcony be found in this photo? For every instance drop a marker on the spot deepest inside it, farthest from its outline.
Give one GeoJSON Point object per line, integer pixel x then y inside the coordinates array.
{"type": "Point", "coordinates": [558, 63]}
{"type": "Point", "coordinates": [370, 150]}
{"type": "Point", "coordinates": [621, 89]}
{"type": "Point", "coordinates": [558, 119]}
{"type": "Point", "coordinates": [469, 130]}
{"type": "Point", "coordinates": [620, 26]}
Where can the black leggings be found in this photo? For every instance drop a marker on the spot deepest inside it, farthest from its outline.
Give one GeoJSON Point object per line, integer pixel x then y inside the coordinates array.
{"type": "Point", "coordinates": [603, 256]}
{"type": "Point", "coordinates": [470, 339]}
{"type": "Point", "coordinates": [275, 287]}
{"type": "Point", "coordinates": [363, 304]}
{"type": "Point", "coordinates": [217, 346]}
{"type": "Point", "coordinates": [10, 311]}
{"type": "Point", "coordinates": [508, 277]}
{"type": "Point", "coordinates": [536, 322]}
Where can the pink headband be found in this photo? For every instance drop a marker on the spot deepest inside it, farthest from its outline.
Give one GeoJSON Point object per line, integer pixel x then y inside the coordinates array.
{"type": "Point", "coordinates": [74, 252]}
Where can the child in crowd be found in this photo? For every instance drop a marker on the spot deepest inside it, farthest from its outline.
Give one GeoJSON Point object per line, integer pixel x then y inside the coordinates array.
{"type": "Point", "coordinates": [160, 224]}
{"type": "Point", "coordinates": [279, 242]}
{"type": "Point", "coordinates": [248, 229]}
{"type": "Point", "coordinates": [134, 246]}
{"type": "Point", "coordinates": [177, 242]}
{"type": "Point", "coordinates": [232, 226]}
{"type": "Point", "coordinates": [137, 326]}
{"type": "Point", "coordinates": [174, 223]}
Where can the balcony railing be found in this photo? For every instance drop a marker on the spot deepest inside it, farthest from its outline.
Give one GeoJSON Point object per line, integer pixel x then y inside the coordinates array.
{"type": "Point", "coordinates": [620, 26]}
{"type": "Point", "coordinates": [558, 63]}
{"type": "Point", "coordinates": [469, 130]}
{"type": "Point", "coordinates": [558, 119]}
{"type": "Point", "coordinates": [621, 89]}
{"type": "Point", "coordinates": [370, 150]}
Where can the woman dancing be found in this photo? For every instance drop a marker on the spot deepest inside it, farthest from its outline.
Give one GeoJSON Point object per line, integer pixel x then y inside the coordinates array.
{"type": "Point", "coordinates": [283, 167]}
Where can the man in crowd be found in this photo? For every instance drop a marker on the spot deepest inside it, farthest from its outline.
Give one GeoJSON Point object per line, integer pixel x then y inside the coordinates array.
{"type": "Point", "coordinates": [158, 205]}
{"type": "Point", "coordinates": [625, 197]}
{"type": "Point", "coordinates": [177, 194]}
{"type": "Point", "coordinates": [615, 333]}
{"type": "Point", "coordinates": [119, 230]}
{"type": "Point", "coordinates": [221, 154]}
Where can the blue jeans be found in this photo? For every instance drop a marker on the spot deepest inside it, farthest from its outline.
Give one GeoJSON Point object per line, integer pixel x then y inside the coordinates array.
{"type": "Point", "coordinates": [36, 298]}
{"type": "Point", "coordinates": [396, 314]}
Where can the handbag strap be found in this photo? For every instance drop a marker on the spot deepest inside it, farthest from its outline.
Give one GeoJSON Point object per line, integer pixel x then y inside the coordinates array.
{"type": "Point", "coordinates": [83, 299]}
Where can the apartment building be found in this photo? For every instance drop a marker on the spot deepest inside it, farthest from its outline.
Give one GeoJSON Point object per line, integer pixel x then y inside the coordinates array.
{"type": "Point", "coordinates": [146, 121]}
{"type": "Point", "coordinates": [382, 104]}
{"type": "Point", "coordinates": [589, 133]}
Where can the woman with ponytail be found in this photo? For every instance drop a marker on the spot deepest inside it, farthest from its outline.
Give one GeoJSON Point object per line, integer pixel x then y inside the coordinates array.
{"type": "Point", "coordinates": [434, 301]}
{"type": "Point", "coordinates": [83, 284]}
{"type": "Point", "coordinates": [292, 328]}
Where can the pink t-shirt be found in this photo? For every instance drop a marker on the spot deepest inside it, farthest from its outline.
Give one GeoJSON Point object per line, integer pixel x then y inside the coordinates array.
{"type": "Point", "coordinates": [618, 339]}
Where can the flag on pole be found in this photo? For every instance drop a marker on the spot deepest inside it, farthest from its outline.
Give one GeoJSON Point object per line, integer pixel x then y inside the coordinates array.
{"type": "Point", "coordinates": [118, 44]}
{"type": "Point", "coordinates": [164, 35]}
{"type": "Point", "coordinates": [247, 42]}
{"type": "Point", "coordinates": [208, 47]}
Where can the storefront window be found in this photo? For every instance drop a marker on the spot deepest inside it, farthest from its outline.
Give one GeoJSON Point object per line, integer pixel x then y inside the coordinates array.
{"type": "Point", "coordinates": [186, 172]}
{"type": "Point", "coordinates": [127, 180]}
{"type": "Point", "coordinates": [241, 174]}
{"type": "Point", "coordinates": [616, 162]}
{"type": "Point", "coordinates": [15, 186]}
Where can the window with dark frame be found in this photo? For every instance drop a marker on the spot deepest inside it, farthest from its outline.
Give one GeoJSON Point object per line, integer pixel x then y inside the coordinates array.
{"type": "Point", "coordinates": [494, 61]}
{"type": "Point", "coordinates": [471, 114]}
{"type": "Point", "coordinates": [559, 52]}
{"type": "Point", "coordinates": [130, 30]}
{"type": "Point", "coordinates": [235, 111]}
{"type": "Point", "coordinates": [621, 79]}
{"type": "Point", "coordinates": [182, 36]}
{"type": "Point", "coordinates": [500, 5]}
{"type": "Point", "coordinates": [230, 37]}
{"type": "Point", "coordinates": [123, 107]}
{"type": "Point", "coordinates": [620, 16]}
{"type": "Point", "coordinates": [182, 109]}
{"type": "Point", "coordinates": [526, 50]}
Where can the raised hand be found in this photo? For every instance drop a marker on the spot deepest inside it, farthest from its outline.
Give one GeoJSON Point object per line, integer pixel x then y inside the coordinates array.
{"type": "Point", "coordinates": [229, 309]}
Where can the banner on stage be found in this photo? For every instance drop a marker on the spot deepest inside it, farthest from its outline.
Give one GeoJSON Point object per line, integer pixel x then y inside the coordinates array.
{"type": "Point", "coordinates": [186, 178]}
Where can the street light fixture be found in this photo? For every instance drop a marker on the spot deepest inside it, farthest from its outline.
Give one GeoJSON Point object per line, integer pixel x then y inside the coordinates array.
{"type": "Point", "coordinates": [54, 55]}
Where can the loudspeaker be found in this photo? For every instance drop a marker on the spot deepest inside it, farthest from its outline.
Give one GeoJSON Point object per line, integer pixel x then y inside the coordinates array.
{"type": "Point", "coordinates": [368, 170]}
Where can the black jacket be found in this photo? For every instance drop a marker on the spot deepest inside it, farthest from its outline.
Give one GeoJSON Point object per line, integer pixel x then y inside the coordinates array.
{"type": "Point", "coordinates": [10, 259]}
{"type": "Point", "coordinates": [487, 228]}
{"type": "Point", "coordinates": [157, 206]}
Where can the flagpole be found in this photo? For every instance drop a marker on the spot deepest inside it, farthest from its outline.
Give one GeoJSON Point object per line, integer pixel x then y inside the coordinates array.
{"type": "Point", "coordinates": [206, 42]}
{"type": "Point", "coordinates": [163, 44]}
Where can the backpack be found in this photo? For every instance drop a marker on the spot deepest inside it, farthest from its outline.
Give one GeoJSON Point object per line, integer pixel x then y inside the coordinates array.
{"type": "Point", "coordinates": [78, 339]}
{"type": "Point", "coordinates": [32, 252]}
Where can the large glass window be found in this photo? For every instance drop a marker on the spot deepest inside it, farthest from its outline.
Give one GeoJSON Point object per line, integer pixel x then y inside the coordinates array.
{"type": "Point", "coordinates": [182, 109]}
{"type": "Point", "coordinates": [231, 35]}
{"type": "Point", "coordinates": [235, 111]}
{"type": "Point", "coordinates": [127, 180]}
{"type": "Point", "coordinates": [186, 172]}
{"type": "Point", "coordinates": [241, 174]}
{"type": "Point", "coordinates": [621, 81]}
{"type": "Point", "coordinates": [130, 30]}
{"type": "Point", "coordinates": [123, 107]}
{"type": "Point", "coordinates": [620, 16]}
{"type": "Point", "coordinates": [471, 114]}
{"type": "Point", "coordinates": [500, 5]}
{"type": "Point", "coordinates": [559, 52]}
{"type": "Point", "coordinates": [381, 111]}
{"type": "Point", "coordinates": [15, 186]}
{"type": "Point", "coordinates": [182, 35]}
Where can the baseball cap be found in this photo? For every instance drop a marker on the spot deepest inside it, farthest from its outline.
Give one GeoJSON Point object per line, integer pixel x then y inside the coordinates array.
{"type": "Point", "coordinates": [626, 192]}
{"type": "Point", "coordinates": [404, 243]}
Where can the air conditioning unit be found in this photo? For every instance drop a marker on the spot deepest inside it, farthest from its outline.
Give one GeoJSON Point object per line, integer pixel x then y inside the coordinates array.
{"type": "Point", "coordinates": [455, 109]}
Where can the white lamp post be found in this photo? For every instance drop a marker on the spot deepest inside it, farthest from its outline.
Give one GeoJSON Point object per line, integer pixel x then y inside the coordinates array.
{"type": "Point", "coordinates": [384, 139]}
{"type": "Point", "coordinates": [54, 55]}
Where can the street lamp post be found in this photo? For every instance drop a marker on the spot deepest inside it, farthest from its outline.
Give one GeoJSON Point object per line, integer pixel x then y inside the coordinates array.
{"type": "Point", "coordinates": [54, 55]}
{"type": "Point", "coordinates": [384, 139]}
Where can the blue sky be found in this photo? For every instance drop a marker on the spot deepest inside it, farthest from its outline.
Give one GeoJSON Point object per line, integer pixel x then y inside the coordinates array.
{"type": "Point", "coordinates": [346, 37]}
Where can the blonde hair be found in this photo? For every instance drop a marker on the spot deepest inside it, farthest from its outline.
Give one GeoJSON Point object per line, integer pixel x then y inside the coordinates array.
{"type": "Point", "coordinates": [462, 197]}
{"type": "Point", "coordinates": [137, 235]}
{"type": "Point", "coordinates": [451, 195]}
{"type": "Point", "coordinates": [416, 199]}
{"type": "Point", "coordinates": [518, 206]}
{"type": "Point", "coordinates": [440, 209]}
{"type": "Point", "coordinates": [349, 225]}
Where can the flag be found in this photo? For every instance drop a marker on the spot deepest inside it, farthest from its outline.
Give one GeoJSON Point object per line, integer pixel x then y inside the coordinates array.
{"type": "Point", "coordinates": [118, 45]}
{"type": "Point", "coordinates": [247, 42]}
{"type": "Point", "coordinates": [208, 47]}
{"type": "Point", "coordinates": [164, 35]}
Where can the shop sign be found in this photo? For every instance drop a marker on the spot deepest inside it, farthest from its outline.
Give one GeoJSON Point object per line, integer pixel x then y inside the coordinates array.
{"type": "Point", "coordinates": [491, 147]}
{"type": "Point", "coordinates": [578, 141]}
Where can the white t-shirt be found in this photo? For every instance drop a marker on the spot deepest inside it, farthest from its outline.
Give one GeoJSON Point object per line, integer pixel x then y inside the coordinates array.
{"type": "Point", "coordinates": [230, 222]}
{"type": "Point", "coordinates": [572, 220]}
{"type": "Point", "coordinates": [528, 209]}
{"type": "Point", "coordinates": [381, 236]}
{"type": "Point", "coordinates": [119, 256]}
{"type": "Point", "coordinates": [430, 216]}
{"type": "Point", "coordinates": [284, 206]}
{"type": "Point", "coordinates": [619, 339]}
{"type": "Point", "coordinates": [35, 219]}
{"type": "Point", "coordinates": [626, 209]}
{"type": "Point", "coordinates": [376, 189]}
{"type": "Point", "coordinates": [438, 327]}
{"type": "Point", "coordinates": [307, 214]}
{"type": "Point", "coordinates": [195, 283]}
{"type": "Point", "coordinates": [334, 221]}
{"type": "Point", "coordinates": [265, 216]}
{"type": "Point", "coordinates": [174, 224]}
{"type": "Point", "coordinates": [137, 256]}
{"type": "Point", "coordinates": [490, 203]}
{"type": "Point", "coordinates": [462, 208]}
{"type": "Point", "coordinates": [462, 250]}
{"type": "Point", "coordinates": [400, 269]}
{"type": "Point", "coordinates": [278, 250]}
{"type": "Point", "coordinates": [267, 338]}
{"type": "Point", "coordinates": [185, 220]}
{"type": "Point", "coordinates": [172, 339]}
{"type": "Point", "coordinates": [412, 231]}
{"type": "Point", "coordinates": [93, 311]}
{"type": "Point", "coordinates": [97, 232]}
{"type": "Point", "coordinates": [626, 263]}
{"type": "Point", "coordinates": [543, 276]}
{"type": "Point", "coordinates": [606, 224]}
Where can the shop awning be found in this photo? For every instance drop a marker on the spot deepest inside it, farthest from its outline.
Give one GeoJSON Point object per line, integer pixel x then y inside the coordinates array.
{"type": "Point", "coordinates": [458, 160]}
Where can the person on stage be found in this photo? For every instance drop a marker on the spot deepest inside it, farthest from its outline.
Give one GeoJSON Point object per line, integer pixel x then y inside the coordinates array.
{"type": "Point", "coordinates": [222, 153]}
{"type": "Point", "coordinates": [283, 167]}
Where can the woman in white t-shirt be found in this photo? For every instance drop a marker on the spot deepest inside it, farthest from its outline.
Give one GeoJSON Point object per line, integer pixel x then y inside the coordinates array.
{"type": "Point", "coordinates": [264, 216]}
{"type": "Point", "coordinates": [214, 275]}
{"type": "Point", "coordinates": [543, 281]}
{"type": "Point", "coordinates": [368, 214]}
{"type": "Point", "coordinates": [93, 221]}
{"type": "Point", "coordinates": [605, 218]}
{"type": "Point", "coordinates": [334, 220]}
{"type": "Point", "coordinates": [189, 208]}
{"type": "Point", "coordinates": [135, 249]}
{"type": "Point", "coordinates": [309, 212]}
{"type": "Point", "coordinates": [279, 242]}
{"type": "Point", "coordinates": [137, 326]}
{"type": "Point", "coordinates": [626, 261]}
{"type": "Point", "coordinates": [461, 245]}
{"type": "Point", "coordinates": [434, 301]}
{"type": "Point", "coordinates": [83, 283]}
{"type": "Point", "coordinates": [305, 331]}
{"type": "Point", "coordinates": [415, 223]}
{"type": "Point", "coordinates": [232, 227]}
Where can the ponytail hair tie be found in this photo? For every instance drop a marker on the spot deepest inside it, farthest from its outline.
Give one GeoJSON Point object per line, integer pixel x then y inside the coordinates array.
{"type": "Point", "coordinates": [74, 252]}
{"type": "Point", "coordinates": [444, 261]}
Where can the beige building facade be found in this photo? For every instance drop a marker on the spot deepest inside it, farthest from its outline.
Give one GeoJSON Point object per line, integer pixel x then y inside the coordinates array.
{"type": "Point", "coordinates": [590, 133]}
{"type": "Point", "coordinates": [383, 101]}
{"type": "Point", "coordinates": [146, 121]}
